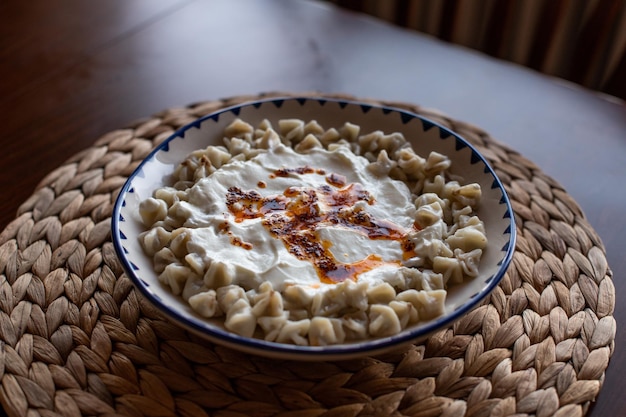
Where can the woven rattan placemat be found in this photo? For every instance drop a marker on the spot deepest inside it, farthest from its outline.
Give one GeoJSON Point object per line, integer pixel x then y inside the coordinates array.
{"type": "Point", "coordinates": [77, 339]}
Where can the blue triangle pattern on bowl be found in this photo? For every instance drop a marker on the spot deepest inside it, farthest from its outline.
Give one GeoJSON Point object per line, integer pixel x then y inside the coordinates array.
{"type": "Point", "coordinates": [195, 124]}
{"type": "Point", "coordinates": [365, 108]}
{"type": "Point", "coordinates": [426, 125]}
{"type": "Point", "coordinates": [406, 117]}
{"type": "Point", "coordinates": [444, 133]}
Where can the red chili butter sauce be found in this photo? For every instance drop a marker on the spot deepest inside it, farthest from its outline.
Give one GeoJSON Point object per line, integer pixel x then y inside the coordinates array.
{"type": "Point", "coordinates": [234, 240]}
{"type": "Point", "coordinates": [295, 215]}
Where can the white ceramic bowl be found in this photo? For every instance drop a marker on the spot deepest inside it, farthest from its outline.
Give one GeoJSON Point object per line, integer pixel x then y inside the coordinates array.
{"type": "Point", "coordinates": [424, 135]}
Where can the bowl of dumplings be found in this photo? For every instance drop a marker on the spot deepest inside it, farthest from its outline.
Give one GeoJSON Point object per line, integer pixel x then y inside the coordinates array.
{"type": "Point", "coordinates": [310, 228]}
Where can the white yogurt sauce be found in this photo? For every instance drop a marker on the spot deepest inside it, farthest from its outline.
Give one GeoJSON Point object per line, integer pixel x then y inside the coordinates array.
{"type": "Point", "coordinates": [232, 217]}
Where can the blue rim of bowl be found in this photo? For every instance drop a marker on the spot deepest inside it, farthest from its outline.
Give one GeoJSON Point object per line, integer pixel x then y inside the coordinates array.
{"type": "Point", "coordinates": [261, 346]}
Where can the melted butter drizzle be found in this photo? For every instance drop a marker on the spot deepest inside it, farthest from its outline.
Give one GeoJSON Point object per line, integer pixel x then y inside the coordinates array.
{"type": "Point", "coordinates": [295, 215]}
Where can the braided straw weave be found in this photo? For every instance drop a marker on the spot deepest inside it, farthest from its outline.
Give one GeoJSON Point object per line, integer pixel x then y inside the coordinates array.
{"type": "Point", "coordinates": [77, 339]}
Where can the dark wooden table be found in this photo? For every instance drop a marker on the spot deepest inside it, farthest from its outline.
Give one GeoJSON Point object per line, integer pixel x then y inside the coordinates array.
{"type": "Point", "coordinates": [71, 71]}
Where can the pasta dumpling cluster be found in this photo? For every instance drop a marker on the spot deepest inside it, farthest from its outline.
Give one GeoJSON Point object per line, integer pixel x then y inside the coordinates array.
{"type": "Point", "coordinates": [283, 232]}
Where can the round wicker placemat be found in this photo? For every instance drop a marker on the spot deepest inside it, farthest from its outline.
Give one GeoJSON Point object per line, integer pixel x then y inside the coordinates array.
{"type": "Point", "coordinates": [77, 339]}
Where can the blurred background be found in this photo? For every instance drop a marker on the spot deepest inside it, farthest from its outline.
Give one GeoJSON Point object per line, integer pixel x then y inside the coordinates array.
{"type": "Point", "coordinates": [583, 41]}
